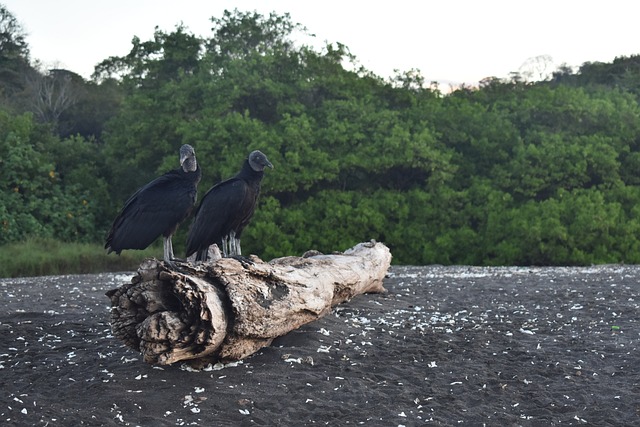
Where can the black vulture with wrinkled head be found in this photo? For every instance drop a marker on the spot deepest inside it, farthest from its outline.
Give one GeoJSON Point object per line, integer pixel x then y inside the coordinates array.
{"type": "Point", "coordinates": [157, 208]}
{"type": "Point", "coordinates": [226, 209]}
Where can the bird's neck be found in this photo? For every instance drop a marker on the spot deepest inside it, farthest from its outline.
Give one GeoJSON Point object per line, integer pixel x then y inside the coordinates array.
{"type": "Point", "coordinates": [248, 173]}
{"type": "Point", "coordinates": [190, 165]}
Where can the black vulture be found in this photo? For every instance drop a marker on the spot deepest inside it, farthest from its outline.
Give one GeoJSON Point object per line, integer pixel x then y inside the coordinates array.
{"type": "Point", "coordinates": [157, 208]}
{"type": "Point", "coordinates": [226, 209]}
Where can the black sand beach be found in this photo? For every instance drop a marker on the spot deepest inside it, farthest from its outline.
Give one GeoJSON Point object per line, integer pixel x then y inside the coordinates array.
{"type": "Point", "coordinates": [444, 346]}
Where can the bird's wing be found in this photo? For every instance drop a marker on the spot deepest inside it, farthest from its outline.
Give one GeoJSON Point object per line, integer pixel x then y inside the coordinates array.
{"type": "Point", "coordinates": [154, 209]}
{"type": "Point", "coordinates": [216, 214]}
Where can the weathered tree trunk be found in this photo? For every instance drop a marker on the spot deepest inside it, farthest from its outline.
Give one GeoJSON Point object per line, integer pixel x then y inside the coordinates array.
{"type": "Point", "coordinates": [230, 308]}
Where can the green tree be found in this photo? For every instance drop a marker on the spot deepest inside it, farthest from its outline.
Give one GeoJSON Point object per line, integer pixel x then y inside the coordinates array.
{"type": "Point", "coordinates": [509, 173]}
{"type": "Point", "coordinates": [14, 58]}
{"type": "Point", "coordinates": [37, 198]}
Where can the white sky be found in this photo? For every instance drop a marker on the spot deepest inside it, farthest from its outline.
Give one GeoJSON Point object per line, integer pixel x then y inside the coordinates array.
{"type": "Point", "coordinates": [459, 41]}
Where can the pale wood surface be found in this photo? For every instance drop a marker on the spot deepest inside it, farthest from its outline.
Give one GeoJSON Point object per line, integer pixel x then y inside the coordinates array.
{"type": "Point", "coordinates": [229, 308]}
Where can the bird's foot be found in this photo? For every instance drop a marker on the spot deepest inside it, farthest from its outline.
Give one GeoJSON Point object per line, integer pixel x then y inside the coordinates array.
{"type": "Point", "coordinates": [242, 259]}
{"type": "Point", "coordinates": [175, 263]}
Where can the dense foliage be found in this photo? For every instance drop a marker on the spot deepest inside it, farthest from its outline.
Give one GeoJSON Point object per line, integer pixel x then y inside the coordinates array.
{"type": "Point", "coordinates": [508, 173]}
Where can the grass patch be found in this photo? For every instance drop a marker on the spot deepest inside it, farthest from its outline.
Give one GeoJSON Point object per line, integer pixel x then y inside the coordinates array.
{"type": "Point", "coordinates": [46, 257]}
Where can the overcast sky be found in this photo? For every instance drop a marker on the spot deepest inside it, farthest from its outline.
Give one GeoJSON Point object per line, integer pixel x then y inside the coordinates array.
{"type": "Point", "coordinates": [459, 41]}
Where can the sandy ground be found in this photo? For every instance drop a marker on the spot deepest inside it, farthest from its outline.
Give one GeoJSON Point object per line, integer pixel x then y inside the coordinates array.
{"type": "Point", "coordinates": [445, 346]}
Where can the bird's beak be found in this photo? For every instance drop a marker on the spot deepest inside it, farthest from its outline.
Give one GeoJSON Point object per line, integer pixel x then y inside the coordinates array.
{"type": "Point", "coordinates": [183, 157]}
{"type": "Point", "coordinates": [269, 164]}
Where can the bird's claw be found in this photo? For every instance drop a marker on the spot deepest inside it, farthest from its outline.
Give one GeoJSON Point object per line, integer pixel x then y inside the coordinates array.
{"type": "Point", "coordinates": [175, 263]}
{"type": "Point", "coordinates": [242, 259]}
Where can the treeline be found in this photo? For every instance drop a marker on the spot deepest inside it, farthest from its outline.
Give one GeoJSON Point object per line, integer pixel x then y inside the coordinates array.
{"type": "Point", "coordinates": [509, 173]}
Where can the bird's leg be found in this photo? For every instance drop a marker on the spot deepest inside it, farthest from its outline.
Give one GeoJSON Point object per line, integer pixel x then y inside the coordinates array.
{"type": "Point", "coordinates": [168, 249]}
{"type": "Point", "coordinates": [169, 258]}
{"type": "Point", "coordinates": [232, 243]}
{"type": "Point", "coordinates": [225, 246]}
{"type": "Point", "coordinates": [237, 251]}
{"type": "Point", "coordinates": [201, 255]}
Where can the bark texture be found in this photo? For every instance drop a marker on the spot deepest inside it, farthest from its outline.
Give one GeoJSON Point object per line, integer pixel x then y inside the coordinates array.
{"type": "Point", "coordinates": [229, 308]}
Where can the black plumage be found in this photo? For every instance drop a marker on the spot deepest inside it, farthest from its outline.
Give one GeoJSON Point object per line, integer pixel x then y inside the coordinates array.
{"type": "Point", "coordinates": [157, 208]}
{"type": "Point", "coordinates": [226, 209]}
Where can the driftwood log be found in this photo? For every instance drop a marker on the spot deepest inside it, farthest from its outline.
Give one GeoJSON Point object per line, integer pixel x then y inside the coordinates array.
{"type": "Point", "coordinates": [230, 308]}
